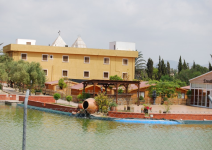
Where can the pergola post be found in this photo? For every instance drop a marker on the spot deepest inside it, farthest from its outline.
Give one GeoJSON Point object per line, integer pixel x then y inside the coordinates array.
{"type": "Point", "coordinates": [105, 86]}
{"type": "Point", "coordinates": [116, 93]}
{"type": "Point", "coordinates": [94, 85]}
{"type": "Point", "coordinates": [84, 86]}
{"type": "Point", "coordinates": [138, 102]}
{"type": "Point", "coordinates": [126, 88]}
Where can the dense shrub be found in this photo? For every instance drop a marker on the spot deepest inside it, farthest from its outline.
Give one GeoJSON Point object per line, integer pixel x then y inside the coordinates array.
{"type": "Point", "coordinates": [120, 91]}
{"type": "Point", "coordinates": [103, 102]}
{"type": "Point", "coordinates": [62, 84]}
{"type": "Point", "coordinates": [141, 97]}
{"type": "Point", "coordinates": [116, 77]}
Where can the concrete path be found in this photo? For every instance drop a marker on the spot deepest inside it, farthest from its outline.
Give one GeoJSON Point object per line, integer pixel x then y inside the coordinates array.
{"type": "Point", "coordinates": [67, 103]}
{"type": "Point", "coordinates": [174, 109]}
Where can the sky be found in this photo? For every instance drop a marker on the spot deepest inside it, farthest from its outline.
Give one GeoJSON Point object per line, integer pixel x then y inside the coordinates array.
{"type": "Point", "coordinates": [166, 28]}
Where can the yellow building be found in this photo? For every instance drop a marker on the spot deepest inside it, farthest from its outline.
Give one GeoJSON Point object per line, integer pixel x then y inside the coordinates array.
{"type": "Point", "coordinates": [76, 63]}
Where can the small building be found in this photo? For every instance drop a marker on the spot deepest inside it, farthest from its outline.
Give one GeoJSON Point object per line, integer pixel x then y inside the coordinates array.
{"type": "Point", "coordinates": [126, 46]}
{"type": "Point", "coordinates": [178, 98]}
{"type": "Point", "coordinates": [78, 88]}
{"type": "Point", "coordinates": [25, 41]}
{"type": "Point", "coordinates": [201, 90]}
{"type": "Point", "coordinates": [53, 85]}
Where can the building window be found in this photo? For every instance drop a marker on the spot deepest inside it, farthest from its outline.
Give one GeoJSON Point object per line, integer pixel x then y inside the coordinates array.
{"type": "Point", "coordinates": [106, 60]}
{"type": "Point", "coordinates": [65, 58]}
{"type": "Point", "coordinates": [124, 75]}
{"type": "Point", "coordinates": [125, 61]}
{"type": "Point", "coordinates": [28, 43]}
{"type": "Point", "coordinates": [181, 95]}
{"type": "Point", "coordinates": [44, 57]}
{"type": "Point", "coordinates": [51, 56]}
{"type": "Point", "coordinates": [106, 75]}
{"type": "Point", "coordinates": [142, 94]}
{"type": "Point", "coordinates": [86, 59]}
{"type": "Point", "coordinates": [45, 72]}
{"type": "Point", "coordinates": [24, 56]}
{"type": "Point", "coordinates": [86, 74]}
{"type": "Point", "coordinates": [65, 73]}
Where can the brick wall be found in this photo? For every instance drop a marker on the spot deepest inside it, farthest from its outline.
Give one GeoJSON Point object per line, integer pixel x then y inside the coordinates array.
{"type": "Point", "coordinates": [160, 116]}
{"type": "Point", "coordinates": [45, 99]}
{"type": "Point", "coordinates": [7, 97]}
{"type": "Point", "coordinates": [52, 106]}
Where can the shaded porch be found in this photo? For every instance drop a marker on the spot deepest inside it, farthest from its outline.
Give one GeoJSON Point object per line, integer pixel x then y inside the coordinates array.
{"type": "Point", "coordinates": [115, 83]}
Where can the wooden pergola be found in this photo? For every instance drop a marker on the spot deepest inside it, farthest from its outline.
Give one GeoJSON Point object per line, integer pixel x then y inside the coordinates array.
{"type": "Point", "coordinates": [107, 83]}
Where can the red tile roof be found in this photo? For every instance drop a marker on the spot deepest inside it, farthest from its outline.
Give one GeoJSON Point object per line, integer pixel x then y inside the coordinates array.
{"type": "Point", "coordinates": [77, 86]}
{"type": "Point", "coordinates": [80, 86]}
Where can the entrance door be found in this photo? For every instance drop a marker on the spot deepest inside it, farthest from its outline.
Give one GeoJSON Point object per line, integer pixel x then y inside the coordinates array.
{"type": "Point", "coordinates": [207, 99]}
{"type": "Point", "coordinates": [200, 97]}
{"type": "Point", "coordinates": [204, 98]}
{"type": "Point", "coordinates": [196, 97]}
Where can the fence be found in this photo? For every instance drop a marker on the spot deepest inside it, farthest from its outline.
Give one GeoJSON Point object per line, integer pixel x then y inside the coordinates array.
{"type": "Point", "coordinates": [61, 128]}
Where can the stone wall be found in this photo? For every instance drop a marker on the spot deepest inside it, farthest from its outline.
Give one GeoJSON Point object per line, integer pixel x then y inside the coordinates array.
{"type": "Point", "coordinates": [123, 99]}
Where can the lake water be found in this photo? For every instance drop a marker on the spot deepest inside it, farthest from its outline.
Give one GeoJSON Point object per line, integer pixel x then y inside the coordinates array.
{"type": "Point", "coordinates": [48, 131]}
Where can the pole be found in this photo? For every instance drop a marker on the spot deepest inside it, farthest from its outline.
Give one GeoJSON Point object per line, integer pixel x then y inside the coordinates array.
{"type": "Point", "coordinates": [25, 120]}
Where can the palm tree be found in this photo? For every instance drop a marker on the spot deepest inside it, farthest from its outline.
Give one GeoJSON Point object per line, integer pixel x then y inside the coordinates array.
{"type": "Point", "coordinates": [140, 64]}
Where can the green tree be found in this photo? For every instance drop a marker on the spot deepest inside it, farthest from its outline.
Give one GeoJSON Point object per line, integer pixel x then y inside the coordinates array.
{"type": "Point", "coordinates": [103, 102]}
{"type": "Point", "coordinates": [188, 66]}
{"type": "Point", "coordinates": [159, 69]}
{"type": "Point", "coordinates": [186, 75]}
{"type": "Point", "coordinates": [166, 78]}
{"type": "Point", "coordinates": [20, 76]}
{"type": "Point", "coordinates": [36, 75]}
{"type": "Point", "coordinates": [184, 65]}
{"type": "Point", "coordinates": [1, 50]}
{"type": "Point", "coordinates": [120, 91]}
{"type": "Point", "coordinates": [116, 77]}
{"type": "Point", "coordinates": [144, 75]}
{"type": "Point", "coordinates": [180, 66]}
{"type": "Point", "coordinates": [210, 67]}
{"type": "Point", "coordinates": [149, 68]}
{"type": "Point", "coordinates": [155, 74]}
{"type": "Point", "coordinates": [163, 68]}
{"type": "Point", "coordinates": [69, 98]}
{"type": "Point", "coordinates": [168, 69]}
{"type": "Point", "coordinates": [22, 73]}
{"type": "Point", "coordinates": [139, 65]}
{"type": "Point", "coordinates": [57, 96]}
{"type": "Point", "coordinates": [62, 84]}
{"type": "Point", "coordinates": [163, 88]}
{"type": "Point", "coordinates": [194, 65]}
{"type": "Point", "coordinates": [139, 62]}
{"type": "Point", "coordinates": [3, 74]}
{"type": "Point", "coordinates": [7, 64]}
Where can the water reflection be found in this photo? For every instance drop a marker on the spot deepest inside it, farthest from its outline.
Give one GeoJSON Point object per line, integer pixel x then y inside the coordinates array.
{"type": "Point", "coordinates": [53, 131]}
